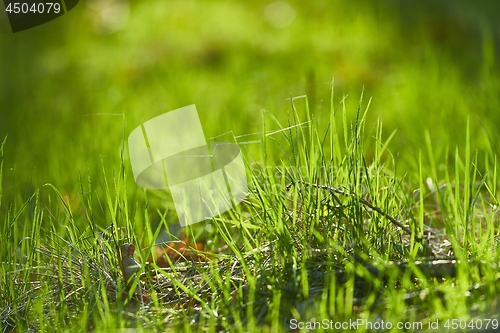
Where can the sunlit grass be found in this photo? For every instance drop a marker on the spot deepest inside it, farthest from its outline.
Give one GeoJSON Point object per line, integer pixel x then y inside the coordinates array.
{"type": "Point", "coordinates": [420, 145]}
{"type": "Point", "coordinates": [317, 223]}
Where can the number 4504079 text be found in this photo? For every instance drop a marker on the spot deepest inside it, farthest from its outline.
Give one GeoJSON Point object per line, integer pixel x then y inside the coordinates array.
{"type": "Point", "coordinates": [41, 8]}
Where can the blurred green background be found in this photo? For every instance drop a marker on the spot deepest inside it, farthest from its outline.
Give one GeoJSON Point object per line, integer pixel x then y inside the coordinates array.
{"type": "Point", "coordinates": [71, 90]}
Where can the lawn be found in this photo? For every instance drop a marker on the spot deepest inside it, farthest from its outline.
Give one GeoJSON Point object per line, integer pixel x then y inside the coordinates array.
{"type": "Point", "coordinates": [369, 134]}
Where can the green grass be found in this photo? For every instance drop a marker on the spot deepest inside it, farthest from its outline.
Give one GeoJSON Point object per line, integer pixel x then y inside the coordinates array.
{"type": "Point", "coordinates": [299, 247]}
{"type": "Point", "coordinates": [409, 126]}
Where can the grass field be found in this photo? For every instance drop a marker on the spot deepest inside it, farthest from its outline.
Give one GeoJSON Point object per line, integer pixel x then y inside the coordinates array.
{"type": "Point", "coordinates": [370, 136]}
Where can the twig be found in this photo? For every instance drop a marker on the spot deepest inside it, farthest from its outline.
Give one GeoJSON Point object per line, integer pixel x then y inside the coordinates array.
{"type": "Point", "coordinates": [333, 191]}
